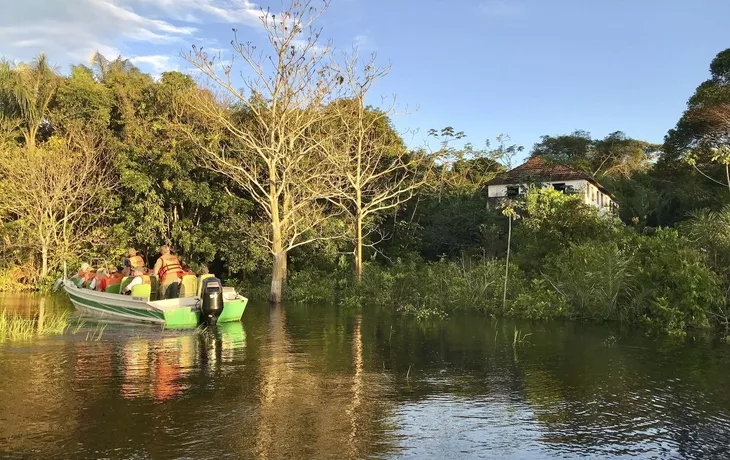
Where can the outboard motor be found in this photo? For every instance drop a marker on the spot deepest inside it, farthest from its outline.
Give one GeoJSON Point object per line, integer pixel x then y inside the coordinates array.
{"type": "Point", "coordinates": [212, 297]}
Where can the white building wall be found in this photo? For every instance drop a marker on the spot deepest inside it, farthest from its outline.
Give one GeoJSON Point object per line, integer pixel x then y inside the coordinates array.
{"type": "Point", "coordinates": [591, 194]}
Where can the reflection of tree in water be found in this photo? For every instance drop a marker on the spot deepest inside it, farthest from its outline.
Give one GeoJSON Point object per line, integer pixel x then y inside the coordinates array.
{"type": "Point", "coordinates": [309, 411]}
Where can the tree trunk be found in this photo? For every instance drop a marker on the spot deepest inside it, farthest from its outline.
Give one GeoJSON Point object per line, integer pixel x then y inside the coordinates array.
{"type": "Point", "coordinates": [44, 260]}
{"type": "Point", "coordinates": [278, 273]}
{"type": "Point", "coordinates": [506, 268]}
{"type": "Point", "coordinates": [278, 277]}
{"type": "Point", "coordinates": [358, 247]}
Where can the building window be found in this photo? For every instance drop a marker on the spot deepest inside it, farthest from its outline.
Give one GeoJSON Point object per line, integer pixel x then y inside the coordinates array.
{"type": "Point", "coordinates": [513, 191]}
{"type": "Point", "coordinates": [559, 187]}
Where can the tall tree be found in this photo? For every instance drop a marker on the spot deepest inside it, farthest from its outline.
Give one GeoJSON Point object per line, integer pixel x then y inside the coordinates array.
{"type": "Point", "coordinates": [614, 156]}
{"type": "Point", "coordinates": [371, 169]}
{"type": "Point", "coordinates": [267, 137]}
{"type": "Point", "coordinates": [26, 90]}
{"type": "Point", "coordinates": [697, 130]}
{"type": "Point", "coordinates": [702, 135]}
{"type": "Point", "coordinates": [58, 194]}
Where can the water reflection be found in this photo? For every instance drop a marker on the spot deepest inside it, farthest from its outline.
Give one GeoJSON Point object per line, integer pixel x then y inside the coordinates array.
{"type": "Point", "coordinates": [159, 367]}
{"type": "Point", "coordinates": [315, 382]}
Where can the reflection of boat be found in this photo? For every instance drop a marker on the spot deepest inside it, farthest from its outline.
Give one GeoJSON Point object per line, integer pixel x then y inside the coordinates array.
{"type": "Point", "coordinates": [180, 312]}
{"type": "Point", "coordinates": [232, 335]}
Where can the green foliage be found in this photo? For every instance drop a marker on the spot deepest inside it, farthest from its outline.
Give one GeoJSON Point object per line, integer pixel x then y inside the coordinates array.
{"type": "Point", "coordinates": [614, 156]}
{"type": "Point", "coordinates": [697, 130]}
{"type": "Point", "coordinates": [552, 222]}
{"type": "Point", "coordinates": [538, 300]}
{"type": "Point", "coordinates": [656, 280]}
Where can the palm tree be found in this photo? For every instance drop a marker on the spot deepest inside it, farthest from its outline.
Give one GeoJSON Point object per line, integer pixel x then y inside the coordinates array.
{"type": "Point", "coordinates": [26, 90]}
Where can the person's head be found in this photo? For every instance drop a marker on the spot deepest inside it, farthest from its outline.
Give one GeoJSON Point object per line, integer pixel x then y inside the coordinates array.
{"type": "Point", "coordinates": [165, 250]}
{"type": "Point", "coordinates": [85, 267]}
{"type": "Point", "coordinates": [204, 270]}
{"type": "Point", "coordinates": [113, 270]}
{"type": "Point", "coordinates": [139, 271]}
{"type": "Point", "coordinates": [132, 252]}
{"type": "Point", "coordinates": [101, 272]}
{"type": "Point", "coordinates": [120, 268]}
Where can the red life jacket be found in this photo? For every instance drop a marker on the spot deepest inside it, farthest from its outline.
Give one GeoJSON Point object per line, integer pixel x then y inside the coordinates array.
{"type": "Point", "coordinates": [100, 282]}
{"type": "Point", "coordinates": [170, 266]}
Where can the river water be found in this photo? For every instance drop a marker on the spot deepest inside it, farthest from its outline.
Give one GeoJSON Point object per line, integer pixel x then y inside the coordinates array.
{"type": "Point", "coordinates": [318, 382]}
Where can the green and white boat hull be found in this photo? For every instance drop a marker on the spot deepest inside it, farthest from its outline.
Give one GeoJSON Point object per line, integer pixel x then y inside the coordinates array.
{"type": "Point", "coordinates": [173, 313]}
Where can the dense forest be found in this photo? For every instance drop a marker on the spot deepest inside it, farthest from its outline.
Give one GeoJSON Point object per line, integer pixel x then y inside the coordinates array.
{"type": "Point", "coordinates": [278, 173]}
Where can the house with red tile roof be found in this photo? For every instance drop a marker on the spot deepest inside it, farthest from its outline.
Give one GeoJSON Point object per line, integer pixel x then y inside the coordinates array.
{"type": "Point", "coordinates": [539, 172]}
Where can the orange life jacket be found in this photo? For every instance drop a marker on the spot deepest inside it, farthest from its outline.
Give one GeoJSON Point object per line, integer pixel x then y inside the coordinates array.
{"type": "Point", "coordinates": [136, 261]}
{"type": "Point", "coordinates": [111, 280]}
{"type": "Point", "coordinates": [114, 279]}
{"type": "Point", "coordinates": [170, 266]}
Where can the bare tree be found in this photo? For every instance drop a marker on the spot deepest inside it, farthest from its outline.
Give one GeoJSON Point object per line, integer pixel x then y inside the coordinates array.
{"type": "Point", "coordinates": [268, 136]}
{"type": "Point", "coordinates": [58, 193]}
{"type": "Point", "coordinates": [370, 171]}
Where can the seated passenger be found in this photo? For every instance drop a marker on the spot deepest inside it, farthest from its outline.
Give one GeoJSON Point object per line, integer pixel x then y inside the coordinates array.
{"type": "Point", "coordinates": [95, 283]}
{"type": "Point", "coordinates": [139, 278]}
{"type": "Point", "coordinates": [134, 260]}
{"type": "Point", "coordinates": [89, 277]}
{"type": "Point", "coordinates": [115, 277]}
{"type": "Point", "coordinates": [81, 275]}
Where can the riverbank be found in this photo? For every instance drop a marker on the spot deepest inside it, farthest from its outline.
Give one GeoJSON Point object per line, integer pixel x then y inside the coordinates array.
{"type": "Point", "coordinates": [587, 284]}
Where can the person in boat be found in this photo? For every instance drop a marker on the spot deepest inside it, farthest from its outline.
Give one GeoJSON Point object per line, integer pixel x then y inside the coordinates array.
{"type": "Point", "coordinates": [139, 278]}
{"type": "Point", "coordinates": [89, 278]}
{"type": "Point", "coordinates": [81, 275]}
{"type": "Point", "coordinates": [95, 284]}
{"type": "Point", "coordinates": [115, 277]}
{"type": "Point", "coordinates": [169, 270]}
{"type": "Point", "coordinates": [133, 260]}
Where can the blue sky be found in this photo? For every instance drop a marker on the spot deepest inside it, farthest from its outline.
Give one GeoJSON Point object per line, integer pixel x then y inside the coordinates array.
{"type": "Point", "coordinates": [520, 67]}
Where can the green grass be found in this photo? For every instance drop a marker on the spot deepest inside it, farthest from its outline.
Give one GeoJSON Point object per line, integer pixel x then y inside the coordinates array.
{"type": "Point", "coordinates": [15, 327]}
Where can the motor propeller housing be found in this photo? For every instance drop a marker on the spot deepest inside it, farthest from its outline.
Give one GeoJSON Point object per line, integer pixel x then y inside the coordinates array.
{"type": "Point", "coordinates": [212, 300]}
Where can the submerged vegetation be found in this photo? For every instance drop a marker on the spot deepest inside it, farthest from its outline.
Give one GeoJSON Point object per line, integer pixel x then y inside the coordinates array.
{"type": "Point", "coordinates": [18, 327]}
{"type": "Point", "coordinates": [288, 178]}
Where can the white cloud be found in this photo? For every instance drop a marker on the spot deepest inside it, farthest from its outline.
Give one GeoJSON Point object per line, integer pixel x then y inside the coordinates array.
{"type": "Point", "coordinates": [363, 42]}
{"type": "Point", "coordinates": [69, 31]}
{"type": "Point", "coordinates": [502, 8]}
{"type": "Point", "coordinates": [230, 11]}
{"type": "Point", "coordinates": [158, 63]}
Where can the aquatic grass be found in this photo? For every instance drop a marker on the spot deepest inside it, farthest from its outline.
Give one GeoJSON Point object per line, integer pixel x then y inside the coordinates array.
{"type": "Point", "coordinates": [79, 324]}
{"type": "Point", "coordinates": [13, 327]}
{"type": "Point", "coordinates": [95, 334]}
{"type": "Point", "coordinates": [16, 327]}
{"type": "Point", "coordinates": [54, 323]}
